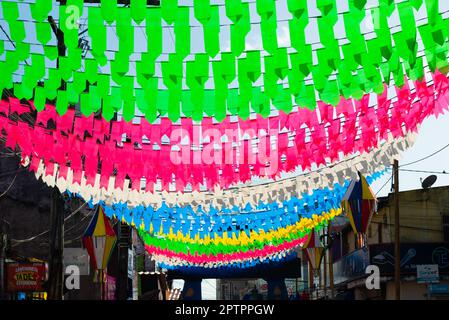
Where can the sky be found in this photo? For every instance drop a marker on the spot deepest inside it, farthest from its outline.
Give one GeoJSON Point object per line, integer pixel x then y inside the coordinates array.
{"type": "Point", "coordinates": [432, 136]}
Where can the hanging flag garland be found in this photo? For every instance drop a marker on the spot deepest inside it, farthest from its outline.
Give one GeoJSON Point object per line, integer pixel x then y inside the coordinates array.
{"type": "Point", "coordinates": [226, 270]}
{"type": "Point", "coordinates": [281, 190]}
{"type": "Point", "coordinates": [226, 245]}
{"type": "Point", "coordinates": [233, 244]}
{"type": "Point", "coordinates": [314, 250]}
{"type": "Point", "coordinates": [260, 217]}
{"type": "Point", "coordinates": [149, 78]}
{"type": "Point", "coordinates": [292, 150]}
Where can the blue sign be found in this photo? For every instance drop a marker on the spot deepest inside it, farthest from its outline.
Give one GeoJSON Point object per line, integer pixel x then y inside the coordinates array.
{"type": "Point", "coordinates": [351, 266]}
{"type": "Point", "coordinates": [439, 288]}
{"type": "Point", "coordinates": [412, 254]}
{"type": "Point", "coordinates": [21, 296]}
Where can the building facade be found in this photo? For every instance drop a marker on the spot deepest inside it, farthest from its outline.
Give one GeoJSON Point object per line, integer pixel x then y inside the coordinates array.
{"type": "Point", "coordinates": [424, 236]}
{"type": "Point", "coordinates": [25, 225]}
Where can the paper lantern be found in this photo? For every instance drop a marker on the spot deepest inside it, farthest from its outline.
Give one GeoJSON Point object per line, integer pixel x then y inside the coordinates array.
{"type": "Point", "coordinates": [359, 204]}
{"type": "Point", "coordinates": [99, 240]}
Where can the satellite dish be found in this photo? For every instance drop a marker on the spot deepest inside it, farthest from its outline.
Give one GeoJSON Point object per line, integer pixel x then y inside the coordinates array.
{"type": "Point", "coordinates": [429, 181]}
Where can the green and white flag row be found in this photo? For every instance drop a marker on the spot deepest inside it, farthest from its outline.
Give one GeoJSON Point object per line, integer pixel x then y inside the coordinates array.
{"type": "Point", "coordinates": [164, 77]}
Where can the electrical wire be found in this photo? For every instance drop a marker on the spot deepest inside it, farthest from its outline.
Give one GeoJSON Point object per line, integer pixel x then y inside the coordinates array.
{"type": "Point", "coordinates": [19, 241]}
{"type": "Point", "coordinates": [426, 157]}
{"type": "Point", "coordinates": [408, 227]}
{"type": "Point", "coordinates": [77, 225]}
{"type": "Point", "coordinates": [424, 171]}
{"type": "Point", "coordinates": [10, 185]}
{"type": "Point", "coordinates": [383, 186]}
{"type": "Point", "coordinates": [74, 212]}
{"type": "Point", "coordinates": [223, 4]}
{"type": "Point", "coordinates": [418, 171]}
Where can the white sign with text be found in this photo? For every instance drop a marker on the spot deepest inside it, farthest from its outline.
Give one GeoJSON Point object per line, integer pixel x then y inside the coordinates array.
{"type": "Point", "coordinates": [427, 273]}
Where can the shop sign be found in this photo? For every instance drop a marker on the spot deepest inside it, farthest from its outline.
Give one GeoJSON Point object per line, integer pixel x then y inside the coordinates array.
{"type": "Point", "coordinates": [110, 287]}
{"type": "Point", "coordinates": [351, 266]}
{"type": "Point", "coordinates": [77, 257]}
{"type": "Point", "coordinates": [130, 263]}
{"type": "Point", "coordinates": [440, 288]}
{"type": "Point", "coordinates": [25, 276]}
{"type": "Point", "coordinates": [427, 273]}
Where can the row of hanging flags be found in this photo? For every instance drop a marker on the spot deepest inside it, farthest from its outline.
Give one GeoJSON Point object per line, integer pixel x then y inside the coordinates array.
{"type": "Point", "coordinates": [232, 150]}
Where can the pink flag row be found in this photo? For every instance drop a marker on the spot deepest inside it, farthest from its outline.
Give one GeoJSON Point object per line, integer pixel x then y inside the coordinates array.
{"type": "Point", "coordinates": [362, 125]}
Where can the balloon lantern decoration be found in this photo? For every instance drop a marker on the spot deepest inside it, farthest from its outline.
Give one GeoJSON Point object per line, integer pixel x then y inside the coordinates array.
{"type": "Point", "coordinates": [314, 250]}
{"type": "Point", "coordinates": [99, 240]}
{"type": "Point", "coordinates": [359, 203]}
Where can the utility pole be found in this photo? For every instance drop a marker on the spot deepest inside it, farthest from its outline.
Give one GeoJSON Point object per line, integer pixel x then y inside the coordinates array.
{"type": "Point", "coordinates": [56, 273]}
{"type": "Point", "coordinates": [311, 278]}
{"type": "Point", "coordinates": [3, 244]}
{"type": "Point", "coordinates": [331, 266]}
{"type": "Point", "coordinates": [397, 244]}
{"type": "Point", "coordinates": [325, 274]}
{"type": "Point", "coordinates": [122, 247]}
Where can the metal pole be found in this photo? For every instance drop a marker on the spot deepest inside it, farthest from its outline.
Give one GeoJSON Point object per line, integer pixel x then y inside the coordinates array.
{"type": "Point", "coordinates": [331, 268]}
{"type": "Point", "coordinates": [122, 246]}
{"type": "Point", "coordinates": [296, 282]}
{"type": "Point", "coordinates": [310, 278]}
{"type": "Point", "coordinates": [397, 247]}
{"type": "Point", "coordinates": [325, 274]}
{"type": "Point", "coordinates": [341, 244]}
{"type": "Point", "coordinates": [3, 240]}
{"type": "Point", "coordinates": [56, 273]}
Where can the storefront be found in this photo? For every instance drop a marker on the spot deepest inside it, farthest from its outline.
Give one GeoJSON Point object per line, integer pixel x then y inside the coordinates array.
{"type": "Point", "coordinates": [414, 285]}
{"type": "Point", "coordinates": [25, 281]}
{"type": "Point", "coordinates": [349, 271]}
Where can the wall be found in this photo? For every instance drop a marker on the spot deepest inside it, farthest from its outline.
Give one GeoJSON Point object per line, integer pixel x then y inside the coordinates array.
{"type": "Point", "coordinates": [361, 293]}
{"type": "Point", "coordinates": [421, 220]}
{"type": "Point", "coordinates": [409, 291]}
{"type": "Point", "coordinates": [25, 208]}
{"type": "Point", "coordinates": [420, 217]}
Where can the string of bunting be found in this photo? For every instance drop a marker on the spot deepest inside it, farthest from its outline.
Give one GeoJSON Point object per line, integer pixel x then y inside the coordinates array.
{"type": "Point", "coordinates": [289, 152]}
{"type": "Point", "coordinates": [348, 68]}
{"type": "Point", "coordinates": [366, 163]}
